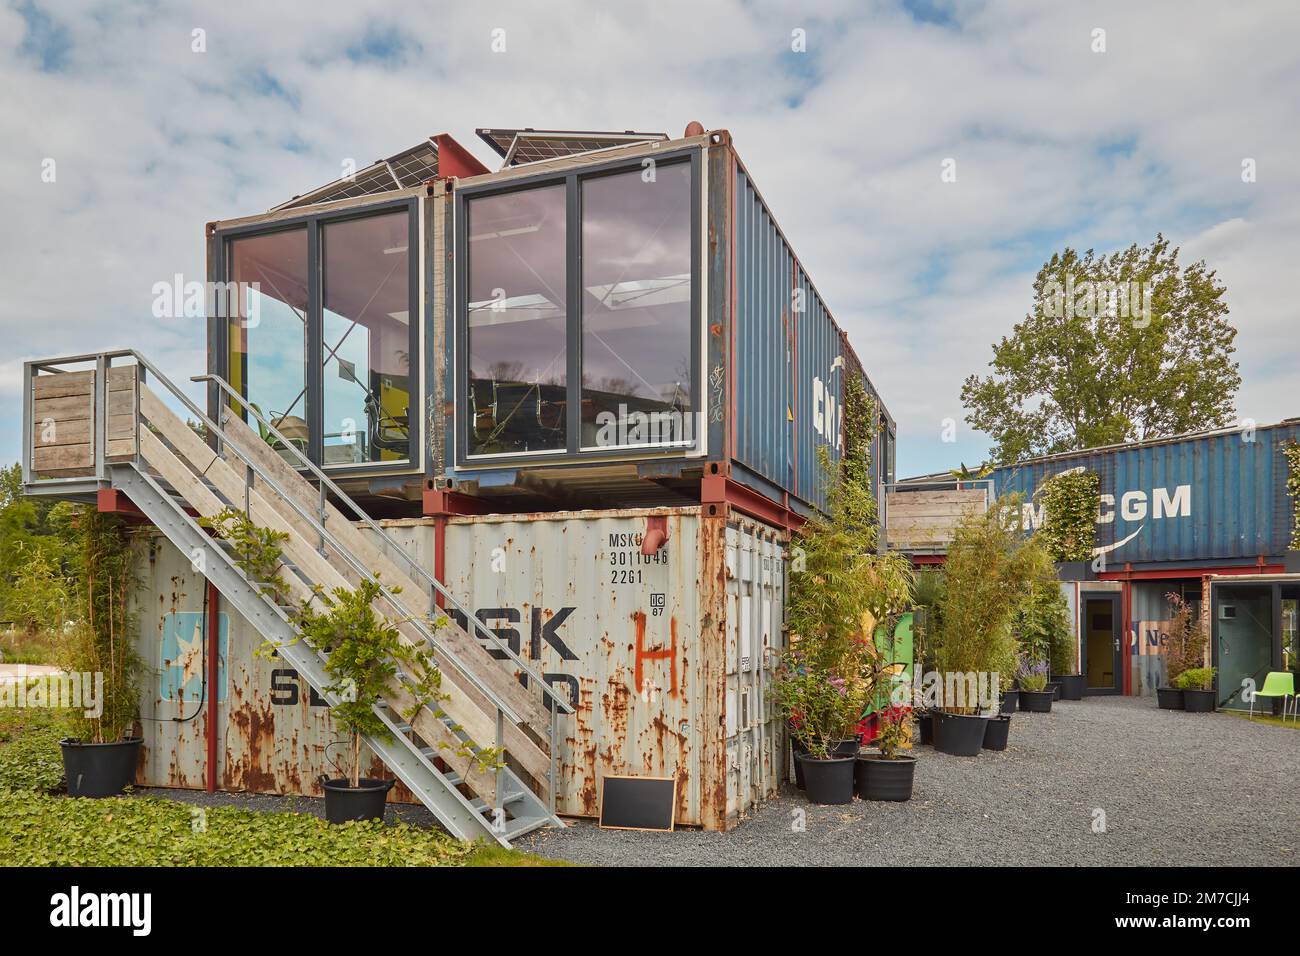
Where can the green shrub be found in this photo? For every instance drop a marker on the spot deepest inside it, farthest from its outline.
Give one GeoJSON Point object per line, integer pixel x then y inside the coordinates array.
{"type": "Point", "coordinates": [1196, 678]}
{"type": "Point", "coordinates": [29, 748]}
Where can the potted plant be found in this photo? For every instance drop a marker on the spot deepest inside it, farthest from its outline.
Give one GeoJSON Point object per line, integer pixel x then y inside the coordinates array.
{"type": "Point", "coordinates": [887, 775]}
{"type": "Point", "coordinates": [100, 756]}
{"type": "Point", "coordinates": [928, 591]}
{"type": "Point", "coordinates": [825, 706]}
{"type": "Point", "coordinates": [1197, 685]}
{"type": "Point", "coordinates": [1035, 697]}
{"type": "Point", "coordinates": [983, 577]}
{"type": "Point", "coordinates": [1184, 651]}
{"type": "Point", "coordinates": [841, 589]}
{"type": "Point", "coordinates": [364, 655]}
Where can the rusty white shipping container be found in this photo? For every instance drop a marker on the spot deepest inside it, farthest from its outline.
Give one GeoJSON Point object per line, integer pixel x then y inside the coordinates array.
{"type": "Point", "coordinates": [667, 656]}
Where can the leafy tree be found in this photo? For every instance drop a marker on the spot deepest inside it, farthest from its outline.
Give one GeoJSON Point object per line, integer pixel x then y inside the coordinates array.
{"type": "Point", "coordinates": [1117, 348]}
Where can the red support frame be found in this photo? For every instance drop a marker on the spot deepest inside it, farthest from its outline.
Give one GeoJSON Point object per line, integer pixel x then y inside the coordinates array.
{"type": "Point", "coordinates": [722, 489]}
{"type": "Point", "coordinates": [213, 625]}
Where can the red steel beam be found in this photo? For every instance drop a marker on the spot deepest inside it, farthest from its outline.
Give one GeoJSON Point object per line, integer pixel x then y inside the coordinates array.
{"type": "Point", "coordinates": [213, 625]}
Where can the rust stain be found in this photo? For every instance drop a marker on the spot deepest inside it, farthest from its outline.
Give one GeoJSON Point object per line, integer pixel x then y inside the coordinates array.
{"type": "Point", "coordinates": [644, 654]}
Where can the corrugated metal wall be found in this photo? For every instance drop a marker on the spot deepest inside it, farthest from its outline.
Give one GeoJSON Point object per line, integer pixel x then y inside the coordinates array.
{"type": "Point", "coordinates": [788, 389]}
{"type": "Point", "coordinates": [1216, 497]}
{"type": "Point", "coordinates": [668, 657]}
{"type": "Point", "coordinates": [631, 636]}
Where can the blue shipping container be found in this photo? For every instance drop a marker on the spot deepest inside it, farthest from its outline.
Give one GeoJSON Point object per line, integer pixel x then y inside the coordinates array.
{"type": "Point", "coordinates": [1215, 497]}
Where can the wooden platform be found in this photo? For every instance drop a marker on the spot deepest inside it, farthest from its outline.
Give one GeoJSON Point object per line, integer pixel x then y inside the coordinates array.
{"type": "Point", "coordinates": [63, 421]}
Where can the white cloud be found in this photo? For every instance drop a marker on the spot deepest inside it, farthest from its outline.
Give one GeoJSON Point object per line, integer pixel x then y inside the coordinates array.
{"type": "Point", "coordinates": [1054, 144]}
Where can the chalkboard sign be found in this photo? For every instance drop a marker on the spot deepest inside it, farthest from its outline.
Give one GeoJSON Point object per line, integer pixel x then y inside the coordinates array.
{"type": "Point", "coordinates": [638, 803]}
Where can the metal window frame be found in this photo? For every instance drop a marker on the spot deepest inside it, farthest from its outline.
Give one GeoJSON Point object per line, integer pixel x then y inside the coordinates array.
{"type": "Point", "coordinates": [572, 180]}
{"type": "Point", "coordinates": [314, 223]}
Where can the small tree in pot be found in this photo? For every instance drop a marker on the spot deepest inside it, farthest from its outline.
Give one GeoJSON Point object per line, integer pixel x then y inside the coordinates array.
{"type": "Point", "coordinates": [99, 759]}
{"type": "Point", "coordinates": [365, 657]}
{"type": "Point", "coordinates": [984, 579]}
{"type": "Point", "coordinates": [1184, 651]}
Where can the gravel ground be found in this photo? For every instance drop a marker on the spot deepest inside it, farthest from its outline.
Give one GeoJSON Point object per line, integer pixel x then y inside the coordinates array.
{"type": "Point", "coordinates": [1177, 789]}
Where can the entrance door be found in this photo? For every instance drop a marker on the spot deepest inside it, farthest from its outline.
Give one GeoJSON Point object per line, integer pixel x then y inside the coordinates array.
{"type": "Point", "coordinates": [1243, 652]}
{"type": "Point", "coordinates": [1099, 632]}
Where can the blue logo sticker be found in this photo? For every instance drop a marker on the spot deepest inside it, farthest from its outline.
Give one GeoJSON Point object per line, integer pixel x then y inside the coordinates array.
{"type": "Point", "coordinates": [183, 659]}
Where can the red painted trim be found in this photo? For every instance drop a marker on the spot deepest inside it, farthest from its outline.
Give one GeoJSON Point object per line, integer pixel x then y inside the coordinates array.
{"type": "Point", "coordinates": [1126, 659]}
{"type": "Point", "coordinates": [931, 560]}
{"type": "Point", "coordinates": [213, 626]}
{"type": "Point", "coordinates": [439, 554]}
{"type": "Point", "coordinates": [1158, 575]}
{"type": "Point", "coordinates": [454, 160]}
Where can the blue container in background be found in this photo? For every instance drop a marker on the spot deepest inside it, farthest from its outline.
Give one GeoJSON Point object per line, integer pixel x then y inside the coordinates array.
{"type": "Point", "coordinates": [1216, 496]}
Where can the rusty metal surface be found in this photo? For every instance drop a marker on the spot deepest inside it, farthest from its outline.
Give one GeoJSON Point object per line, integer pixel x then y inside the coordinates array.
{"type": "Point", "coordinates": [274, 734]}
{"type": "Point", "coordinates": [666, 656]}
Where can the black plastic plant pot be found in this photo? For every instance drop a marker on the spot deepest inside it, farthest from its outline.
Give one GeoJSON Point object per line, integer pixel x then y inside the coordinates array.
{"type": "Point", "coordinates": [995, 734]}
{"type": "Point", "coordinates": [366, 802]}
{"type": "Point", "coordinates": [1036, 701]}
{"type": "Point", "coordinates": [1055, 687]}
{"type": "Point", "coordinates": [1169, 698]}
{"type": "Point", "coordinates": [875, 778]}
{"type": "Point", "coordinates": [828, 781]}
{"type": "Point", "coordinates": [927, 729]}
{"type": "Point", "coordinates": [1009, 702]}
{"type": "Point", "coordinates": [961, 735]}
{"type": "Point", "coordinates": [848, 747]}
{"type": "Point", "coordinates": [1071, 686]}
{"type": "Point", "coordinates": [99, 770]}
{"type": "Point", "coordinates": [1198, 701]}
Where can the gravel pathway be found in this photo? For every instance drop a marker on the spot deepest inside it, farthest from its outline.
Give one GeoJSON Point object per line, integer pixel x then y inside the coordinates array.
{"type": "Point", "coordinates": [1176, 789]}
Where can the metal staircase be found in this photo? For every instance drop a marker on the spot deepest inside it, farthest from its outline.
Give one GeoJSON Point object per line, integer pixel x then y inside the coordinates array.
{"type": "Point", "coordinates": [141, 447]}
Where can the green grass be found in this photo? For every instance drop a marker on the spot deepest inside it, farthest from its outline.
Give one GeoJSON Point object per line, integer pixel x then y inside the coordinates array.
{"type": "Point", "coordinates": [1291, 723]}
{"type": "Point", "coordinates": [19, 647]}
{"type": "Point", "coordinates": [42, 830]}
{"type": "Point", "coordinates": [38, 829]}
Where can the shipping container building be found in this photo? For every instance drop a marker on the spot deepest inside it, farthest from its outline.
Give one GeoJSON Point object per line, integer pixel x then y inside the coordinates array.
{"type": "Point", "coordinates": [570, 411]}
{"type": "Point", "coordinates": [1206, 516]}
{"type": "Point", "coordinates": [607, 320]}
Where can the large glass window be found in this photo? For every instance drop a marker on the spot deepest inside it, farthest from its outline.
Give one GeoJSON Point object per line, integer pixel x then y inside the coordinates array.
{"type": "Point", "coordinates": [323, 344]}
{"type": "Point", "coordinates": [517, 311]}
{"type": "Point", "coordinates": [268, 336]}
{"type": "Point", "coordinates": [578, 314]}
{"type": "Point", "coordinates": [366, 340]}
{"type": "Point", "coordinates": [636, 308]}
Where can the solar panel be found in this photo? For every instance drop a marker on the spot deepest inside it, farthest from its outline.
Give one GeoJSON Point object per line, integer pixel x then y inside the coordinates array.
{"type": "Point", "coordinates": [519, 146]}
{"type": "Point", "coordinates": [408, 168]}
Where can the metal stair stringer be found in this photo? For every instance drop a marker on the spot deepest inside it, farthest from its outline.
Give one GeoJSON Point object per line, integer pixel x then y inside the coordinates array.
{"type": "Point", "coordinates": [435, 790]}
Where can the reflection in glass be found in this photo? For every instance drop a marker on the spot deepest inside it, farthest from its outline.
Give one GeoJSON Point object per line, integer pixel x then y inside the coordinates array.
{"type": "Point", "coordinates": [366, 336]}
{"type": "Point", "coordinates": [268, 333]}
{"type": "Point", "coordinates": [517, 309]}
{"type": "Point", "coordinates": [636, 308]}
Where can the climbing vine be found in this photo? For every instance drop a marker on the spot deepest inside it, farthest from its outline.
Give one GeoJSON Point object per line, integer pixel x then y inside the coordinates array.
{"type": "Point", "coordinates": [854, 487]}
{"type": "Point", "coordinates": [1070, 502]}
{"type": "Point", "coordinates": [1292, 452]}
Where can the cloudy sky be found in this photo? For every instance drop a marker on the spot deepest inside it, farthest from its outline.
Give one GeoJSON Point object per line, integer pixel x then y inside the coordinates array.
{"type": "Point", "coordinates": [1054, 144]}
